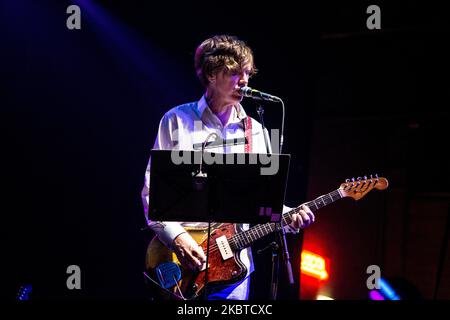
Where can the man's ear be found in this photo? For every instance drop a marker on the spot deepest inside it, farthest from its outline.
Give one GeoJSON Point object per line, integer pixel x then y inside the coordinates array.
{"type": "Point", "coordinates": [212, 78]}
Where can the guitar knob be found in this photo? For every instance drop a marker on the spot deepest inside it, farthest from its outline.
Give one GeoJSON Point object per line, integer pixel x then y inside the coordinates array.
{"type": "Point", "coordinates": [234, 273]}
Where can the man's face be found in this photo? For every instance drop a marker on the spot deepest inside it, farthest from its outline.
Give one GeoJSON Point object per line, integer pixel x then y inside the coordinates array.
{"type": "Point", "coordinates": [226, 84]}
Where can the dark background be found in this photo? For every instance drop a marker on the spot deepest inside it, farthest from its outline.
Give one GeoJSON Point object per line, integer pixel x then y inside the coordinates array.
{"type": "Point", "coordinates": [80, 110]}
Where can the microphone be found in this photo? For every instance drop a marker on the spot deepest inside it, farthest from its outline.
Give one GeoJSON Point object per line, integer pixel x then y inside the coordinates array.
{"type": "Point", "coordinates": [258, 95]}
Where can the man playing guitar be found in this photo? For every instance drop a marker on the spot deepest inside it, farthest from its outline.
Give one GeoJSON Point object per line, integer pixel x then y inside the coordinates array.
{"type": "Point", "coordinates": [223, 64]}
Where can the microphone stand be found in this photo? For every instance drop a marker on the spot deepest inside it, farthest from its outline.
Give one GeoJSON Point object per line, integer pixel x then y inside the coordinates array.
{"type": "Point", "coordinates": [199, 180]}
{"type": "Point", "coordinates": [258, 95]}
{"type": "Point", "coordinates": [260, 111]}
{"type": "Point", "coordinates": [281, 232]}
{"type": "Point", "coordinates": [275, 267]}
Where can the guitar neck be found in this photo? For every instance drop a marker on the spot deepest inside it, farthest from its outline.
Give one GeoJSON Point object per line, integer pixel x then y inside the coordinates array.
{"type": "Point", "coordinates": [247, 238]}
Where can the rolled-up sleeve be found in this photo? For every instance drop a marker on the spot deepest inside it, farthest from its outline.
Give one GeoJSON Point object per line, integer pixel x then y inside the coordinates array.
{"type": "Point", "coordinates": [165, 230]}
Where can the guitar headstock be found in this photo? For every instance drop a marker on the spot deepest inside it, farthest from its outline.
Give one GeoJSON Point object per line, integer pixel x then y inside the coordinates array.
{"type": "Point", "coordinates": [358, 188]}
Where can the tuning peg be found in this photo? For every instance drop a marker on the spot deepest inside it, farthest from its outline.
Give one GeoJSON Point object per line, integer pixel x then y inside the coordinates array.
{"type": "Point", "coordinates": [365, 177]}
{"type": "Point", "coordinates": [371, 176]}
{"type": "Point", "coordinates": [376, 175]}
{"type": "Point", "coordinates": [347, 180]}
{"type": "Point", "coordinates": [353, 179]}
{"type": "Point", "coordinates": [359, 179]}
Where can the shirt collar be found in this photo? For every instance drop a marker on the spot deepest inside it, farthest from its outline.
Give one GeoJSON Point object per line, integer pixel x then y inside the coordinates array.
{"type": "Point", "coordinates": [237, 115]}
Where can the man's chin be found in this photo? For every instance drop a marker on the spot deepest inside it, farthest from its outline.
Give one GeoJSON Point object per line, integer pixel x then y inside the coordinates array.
{"type": "Point", "coordinates": [238, 98]}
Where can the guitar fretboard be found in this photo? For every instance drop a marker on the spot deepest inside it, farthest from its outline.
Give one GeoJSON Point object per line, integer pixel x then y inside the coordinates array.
{"type": "Point", "coordinates": [245, 239]}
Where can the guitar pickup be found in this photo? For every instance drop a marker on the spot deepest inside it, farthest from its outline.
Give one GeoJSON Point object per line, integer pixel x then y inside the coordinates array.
{"type": "Point", "coordinates": [224, 247]}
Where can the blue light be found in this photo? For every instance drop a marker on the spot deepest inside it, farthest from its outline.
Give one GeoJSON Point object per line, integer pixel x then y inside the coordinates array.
{"type": "Point", "coordinates": [387, 291]}
{"type": "Point", "coordinates": [24, 292]}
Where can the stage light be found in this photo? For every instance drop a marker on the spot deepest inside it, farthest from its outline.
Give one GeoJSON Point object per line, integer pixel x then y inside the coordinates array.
{"type": "Point", "coordinates": [387, 291]}
{"type": "Point", "coordinates": [314, 265]}
{"type": "Point", "coordinates": [323, 297]}
{"type": "Point", "coordinates": [375, 295]}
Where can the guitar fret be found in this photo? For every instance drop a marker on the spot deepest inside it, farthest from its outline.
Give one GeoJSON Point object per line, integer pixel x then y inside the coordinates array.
{"type": "Point", "coordinates": [241, 240]}
{"type": "Point", "coordinates": [259, 231]}
{"type": "Point", "coordinates": [263, 230]}
{"type": "Point", "coordinates": [319, 203]}
{"type": "Point", "coordinates": [245, 239]}
{"type": "Point", "coordinates": [238, 240]}
{"type": "Point", "coordinates": [314, 203]}
{"type": "Point", "coordinates": [272, 227]}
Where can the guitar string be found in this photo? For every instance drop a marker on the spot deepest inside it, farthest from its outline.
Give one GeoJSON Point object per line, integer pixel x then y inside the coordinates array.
{"type": "Point", "coordinates": [240, 239]}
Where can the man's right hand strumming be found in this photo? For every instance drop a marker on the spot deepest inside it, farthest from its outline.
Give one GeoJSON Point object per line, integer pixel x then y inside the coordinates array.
{"type": "Point", "coordinates": [189, 253]}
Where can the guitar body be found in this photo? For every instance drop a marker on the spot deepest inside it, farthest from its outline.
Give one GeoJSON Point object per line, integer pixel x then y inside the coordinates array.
{"type": "Point", "coordinates": [192, 283]}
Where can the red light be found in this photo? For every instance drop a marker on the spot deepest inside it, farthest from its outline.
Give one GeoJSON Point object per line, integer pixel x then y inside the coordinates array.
{"type": "Point", "coordinates": [314, 265]}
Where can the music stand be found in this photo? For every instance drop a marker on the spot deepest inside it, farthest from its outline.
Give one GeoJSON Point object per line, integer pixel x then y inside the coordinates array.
{"type": "Point", "coordinates": [232, 191]}
{"type": "Point", "coordinates": [214, 187]}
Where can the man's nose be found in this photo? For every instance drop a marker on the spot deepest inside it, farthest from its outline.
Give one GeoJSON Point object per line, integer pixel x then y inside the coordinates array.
{"type": "Point", "coordinates": [243, 80]}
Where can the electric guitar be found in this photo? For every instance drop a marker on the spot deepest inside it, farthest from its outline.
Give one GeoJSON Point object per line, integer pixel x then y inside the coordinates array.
{"type": "Point", "coordinates": [224, 265]}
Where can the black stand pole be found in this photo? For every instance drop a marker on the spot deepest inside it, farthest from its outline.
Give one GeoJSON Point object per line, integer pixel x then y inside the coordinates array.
{"type": "Point", "coordinates": [281, 233]}
{"type": "Point", "coordinates": [260, 111]}
{"type": "Point", "coordinates": [275, 270]}
{"type": "Point", "coordinates": [199, 180]}
{"type": "Point", "coordinates": [286, 257]}
{"type": "Point", "coordinates": [275, 267]}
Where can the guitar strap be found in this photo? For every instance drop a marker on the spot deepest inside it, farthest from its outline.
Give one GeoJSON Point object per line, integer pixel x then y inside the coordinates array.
{"type": "Point", "coordinates": [248, 134]}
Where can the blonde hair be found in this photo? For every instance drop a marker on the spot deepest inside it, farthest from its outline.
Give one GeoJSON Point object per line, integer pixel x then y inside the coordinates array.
{"type": "Point", "coordinates": [222, 52]}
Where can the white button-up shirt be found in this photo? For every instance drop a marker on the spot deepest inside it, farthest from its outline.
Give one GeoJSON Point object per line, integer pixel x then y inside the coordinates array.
{"type": "Point", "coordinates": [190, 124]}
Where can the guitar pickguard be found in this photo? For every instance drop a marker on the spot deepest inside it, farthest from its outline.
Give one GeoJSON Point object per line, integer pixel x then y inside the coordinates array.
{"type": "Point", "coordinates": [220, 271]}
